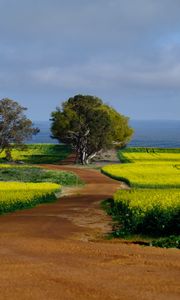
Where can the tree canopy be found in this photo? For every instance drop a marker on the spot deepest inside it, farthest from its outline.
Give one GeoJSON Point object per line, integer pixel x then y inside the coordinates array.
{"type": "Point", "coordinates": [15, 127]}
{"type": "Point", "coordinates": [89, 126]}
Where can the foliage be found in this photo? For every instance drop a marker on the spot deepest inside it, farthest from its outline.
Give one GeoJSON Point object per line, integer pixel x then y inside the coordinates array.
{"type": "Point", "coordinates": [15, 195]}
{"type": "Point", "coordinates": [34, 174]}
{"type": "Point", "coordinates": [147, 211]}
{"type": "Point", "coordinates": [89, 126]}
{"type": "Point", "coordinates": [40, 153]}
{"type": "Point", "coordinates": [15, 128]}
{"type": "Point", "coordinates": [172, 241]}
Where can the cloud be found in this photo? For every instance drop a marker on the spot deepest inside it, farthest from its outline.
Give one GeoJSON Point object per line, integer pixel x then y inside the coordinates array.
{"type": "Point", "coordinates": [107, 47]}
{"type": "Point", "coordinates": [102, 74]}
{"type": "Point", "coordinates": [163, 73]}
{"type": "Point", "coordinates": [95, 20]}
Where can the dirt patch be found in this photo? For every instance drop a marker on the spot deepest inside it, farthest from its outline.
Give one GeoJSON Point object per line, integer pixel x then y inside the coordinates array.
{"type": "Point", "coordinates": [56, 251]}
{"type": "Point", "coordinates": [106, 157]}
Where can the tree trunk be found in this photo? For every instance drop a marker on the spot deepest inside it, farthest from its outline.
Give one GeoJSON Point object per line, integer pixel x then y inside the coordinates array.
{"type": "Point", "coordinates": [8, 154]}
{"type": "Point", "coordinates": [91, 156]}
{"type": "Point", "coordinates": [83, 158]}
{"type": "Point", "coordinates": [77, 157]}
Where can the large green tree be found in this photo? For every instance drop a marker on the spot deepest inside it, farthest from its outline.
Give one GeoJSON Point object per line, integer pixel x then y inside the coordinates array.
{"type": "Point", "coordinates": [89, 126]}
{"type": "Point", "coordinates": [15, 127]}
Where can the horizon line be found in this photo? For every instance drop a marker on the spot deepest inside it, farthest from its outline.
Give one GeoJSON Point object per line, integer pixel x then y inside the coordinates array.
{"type": "Point", "coordinates": [148, 120]}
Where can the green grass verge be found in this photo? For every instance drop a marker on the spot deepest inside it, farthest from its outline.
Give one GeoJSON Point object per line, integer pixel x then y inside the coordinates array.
{"type": "Point", "coordinates": [35, 174]}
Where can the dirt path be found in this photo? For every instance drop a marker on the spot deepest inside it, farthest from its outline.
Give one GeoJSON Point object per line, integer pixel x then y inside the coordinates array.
{"type": "Point", "coordinates": [54, 252]}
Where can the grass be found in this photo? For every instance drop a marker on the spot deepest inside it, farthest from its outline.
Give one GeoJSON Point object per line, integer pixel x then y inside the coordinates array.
{"type": "Point", "coordinates": [40, 153]}
{"type": "Point", "coordinates": [36, 174]}
{"type": "Point", "coordinates": [152, 206]}
{"type": "Point", "coordinates": [16, 195]}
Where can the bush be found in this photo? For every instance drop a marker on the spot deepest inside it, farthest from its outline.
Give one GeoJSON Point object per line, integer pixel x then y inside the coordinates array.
{"type": "Point", "coordinates": [167, 242]}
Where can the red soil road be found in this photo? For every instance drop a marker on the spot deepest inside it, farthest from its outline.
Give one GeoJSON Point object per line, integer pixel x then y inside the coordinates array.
{"type": "Point", "coordinates": [55, 251]}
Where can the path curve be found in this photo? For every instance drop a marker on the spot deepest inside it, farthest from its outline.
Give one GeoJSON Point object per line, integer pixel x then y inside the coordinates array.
{"type": "Point", "coordinates": [54, 251]}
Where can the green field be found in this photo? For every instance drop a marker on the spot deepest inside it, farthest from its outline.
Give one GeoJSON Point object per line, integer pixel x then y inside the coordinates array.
{"type": "Point", "coordinates": [29, 173]}
{"type": "Point", "coordinates": [152, 206]}
{"type": "Point", "coordinates": [40, 153]}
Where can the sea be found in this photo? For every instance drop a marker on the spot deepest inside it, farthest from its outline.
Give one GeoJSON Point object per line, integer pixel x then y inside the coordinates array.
{"type": "Point", "coordinates": [163, 134]}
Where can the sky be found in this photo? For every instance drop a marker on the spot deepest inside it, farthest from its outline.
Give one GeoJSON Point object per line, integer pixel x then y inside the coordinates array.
{"type": "Point", "coordinates": [127, 52]}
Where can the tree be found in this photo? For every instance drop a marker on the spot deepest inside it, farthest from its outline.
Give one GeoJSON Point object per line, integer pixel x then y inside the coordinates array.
{"type": "Point", "coordinates": [89, 126]}
{"type": "Point", "coordinates": [15, 128]}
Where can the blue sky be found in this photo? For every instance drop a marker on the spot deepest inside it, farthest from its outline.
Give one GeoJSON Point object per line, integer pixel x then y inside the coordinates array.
{"type": "Point", "coordinates": [126, 52]}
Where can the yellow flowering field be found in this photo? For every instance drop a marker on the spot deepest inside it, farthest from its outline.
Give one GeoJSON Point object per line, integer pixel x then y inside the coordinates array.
{"type": "Point", "coordinates": [152, 206]}
{"type": "Point", "coordinates": [153, 157]}
{"type": "Point", "coordinates": [151, 168]}
{"type": "Point", "coordinates": [150, 155]}
{"type": "Point", "coordinates": [18, 195]}
{"type": "Point", "coordinates": [152, 211]}
{"type": "Point", "coordinates": [146, 175]}
{"type": "Point", "coordinates": [146, 199]}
